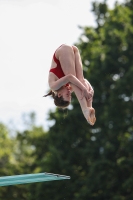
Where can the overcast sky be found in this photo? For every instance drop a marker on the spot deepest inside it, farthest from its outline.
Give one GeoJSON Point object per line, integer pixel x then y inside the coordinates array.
{"type": "Point", "coordinates": [30, 31]}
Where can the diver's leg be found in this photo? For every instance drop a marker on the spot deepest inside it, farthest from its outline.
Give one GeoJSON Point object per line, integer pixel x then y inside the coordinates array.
{"type": "Point", "coordinates": [66, 56]}
{"type": "Point", "coordinates": [78, 64]}
{"type": "Point", "coordinates": [88, 111]}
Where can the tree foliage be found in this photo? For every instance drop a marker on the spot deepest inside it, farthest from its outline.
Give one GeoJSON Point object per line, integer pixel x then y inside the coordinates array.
{"type": "Point", "coordinates": [99, 158]}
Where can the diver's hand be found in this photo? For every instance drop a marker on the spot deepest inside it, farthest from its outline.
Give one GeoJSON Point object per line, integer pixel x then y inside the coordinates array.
{"type": "Point", "coordinates": [87, 94]}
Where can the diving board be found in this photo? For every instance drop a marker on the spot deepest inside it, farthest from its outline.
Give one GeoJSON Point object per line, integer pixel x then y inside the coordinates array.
{"type": "Point", "coordinates": [31, 178]}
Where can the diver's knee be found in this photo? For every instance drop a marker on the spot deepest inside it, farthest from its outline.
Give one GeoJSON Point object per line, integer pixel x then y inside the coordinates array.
{"type": "Point", "coordinates": [67, 48]}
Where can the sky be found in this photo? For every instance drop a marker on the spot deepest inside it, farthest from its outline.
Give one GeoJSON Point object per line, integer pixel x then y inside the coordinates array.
{"type": "Point", "coordinates": [30, 31]}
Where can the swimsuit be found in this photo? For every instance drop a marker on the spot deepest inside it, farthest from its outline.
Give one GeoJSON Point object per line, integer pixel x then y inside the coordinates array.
{"type": "Point", "coordinates": [57, 70]}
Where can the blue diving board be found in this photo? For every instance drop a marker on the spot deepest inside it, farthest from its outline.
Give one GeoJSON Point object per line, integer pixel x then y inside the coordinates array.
{"type": "Point", "coordinates": [31, 178]}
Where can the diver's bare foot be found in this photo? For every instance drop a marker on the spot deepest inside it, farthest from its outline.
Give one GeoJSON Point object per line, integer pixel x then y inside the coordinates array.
{"type": "Point", "coordinates": [90, 115]}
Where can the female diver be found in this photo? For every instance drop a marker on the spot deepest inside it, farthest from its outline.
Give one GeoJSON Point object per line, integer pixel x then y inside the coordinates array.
{"type": "Point", "coordinates": [66, 76]}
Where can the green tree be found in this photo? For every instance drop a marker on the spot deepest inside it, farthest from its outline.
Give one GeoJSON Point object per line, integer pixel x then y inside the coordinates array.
{"type": "Point", "coordinates": [6, 147]}
{"type": "Point", "coordinates": [7, 161]}
{"type": "Point", "coordinates": [98, 159]}
{"type": "Point", "coordinates": [18, 156]}
{"type": "Point", "coordinates": [107, 58]}
{"type": "Point", "coordinates": [30, 148]}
